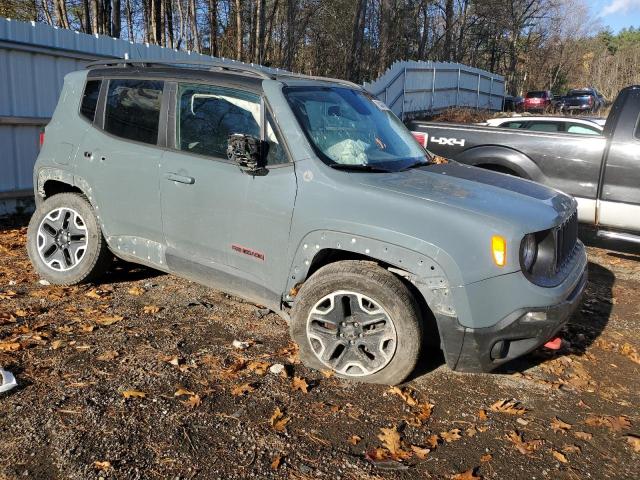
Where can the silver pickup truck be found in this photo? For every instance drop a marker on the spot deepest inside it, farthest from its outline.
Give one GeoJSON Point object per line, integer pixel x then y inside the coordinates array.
{"type": "Point", "coordinates": [601, 171]}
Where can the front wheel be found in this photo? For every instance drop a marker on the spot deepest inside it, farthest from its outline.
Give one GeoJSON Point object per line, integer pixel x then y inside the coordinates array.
{"type": "Point", "coordinates": [359, 321]}
{"type": "Point", "coordinates": [64, 240]}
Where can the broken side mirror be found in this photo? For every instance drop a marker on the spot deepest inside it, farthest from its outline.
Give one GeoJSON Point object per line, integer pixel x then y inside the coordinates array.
{"type": "Point", "coordinates": [248, 152]}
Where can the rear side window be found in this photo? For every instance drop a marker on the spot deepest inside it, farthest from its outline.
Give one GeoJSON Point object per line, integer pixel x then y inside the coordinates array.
{"type": "Point", "coordinates": [90, 99]}
{"type": "Point", "coordinates": [544, 127]}
{"type": "Point", "coordinates": [512, 125]}
{"type": "Point", "coordinates": [208, 115]}
{"type": "Point", "coordinates": [133, 109]}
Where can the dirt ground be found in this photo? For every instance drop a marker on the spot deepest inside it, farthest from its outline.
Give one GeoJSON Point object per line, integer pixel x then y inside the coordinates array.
{"type": "Point", "coordinates": [138, 377]}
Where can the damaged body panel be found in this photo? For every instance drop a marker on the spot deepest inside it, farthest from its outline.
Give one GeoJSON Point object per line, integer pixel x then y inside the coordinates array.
{"type": "Point", "coordinates": [308, 197]}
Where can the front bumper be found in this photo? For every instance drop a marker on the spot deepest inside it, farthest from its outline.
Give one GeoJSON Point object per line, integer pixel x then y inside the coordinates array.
{"type": "Point", "coordinates": [483, 349]}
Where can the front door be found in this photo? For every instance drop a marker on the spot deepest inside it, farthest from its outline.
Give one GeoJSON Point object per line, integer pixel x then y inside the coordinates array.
{"type": "Point", "coordinates": [221, 226]}
{"type": "Point", "coordinates": [620, 193]}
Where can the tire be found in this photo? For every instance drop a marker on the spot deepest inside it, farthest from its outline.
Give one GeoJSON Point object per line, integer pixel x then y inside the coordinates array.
{"type": "Point", "coordinates": [371, 293]}
{"type": "Point", "coordinates": [78, 252]}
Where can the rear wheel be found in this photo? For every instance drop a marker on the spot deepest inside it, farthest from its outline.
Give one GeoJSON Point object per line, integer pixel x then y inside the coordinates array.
{"type": "Point", "coordinates": [64, 240]}
{"type": "Point", "coordinates": [359, 321]}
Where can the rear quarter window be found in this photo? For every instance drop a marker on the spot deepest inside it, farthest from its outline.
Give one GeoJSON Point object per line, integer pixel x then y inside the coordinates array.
{"type": "Point", "coordinates": [133, 109]}
{"type": "Point", "coordinates": [90, 99]}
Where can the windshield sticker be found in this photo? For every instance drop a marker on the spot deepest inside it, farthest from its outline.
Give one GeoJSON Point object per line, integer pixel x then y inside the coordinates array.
{"type": "Point", "coordinates": [380, 105]}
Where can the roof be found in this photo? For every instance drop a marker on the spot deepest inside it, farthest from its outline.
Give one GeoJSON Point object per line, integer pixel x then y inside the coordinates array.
{"type": "Point", "coordinates": [249, 75]}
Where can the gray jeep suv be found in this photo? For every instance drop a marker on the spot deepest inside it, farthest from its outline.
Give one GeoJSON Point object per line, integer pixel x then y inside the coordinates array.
{"type": "Point", "coordinates": [308, 196]}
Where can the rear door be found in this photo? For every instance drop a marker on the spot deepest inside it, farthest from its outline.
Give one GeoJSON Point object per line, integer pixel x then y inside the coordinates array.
{"type": "Point", "coordinates": [620, 190]}
{"type": "Point", "coordinates": [222, 226]}
{"type": "Point", "coordinates": [119, 159]}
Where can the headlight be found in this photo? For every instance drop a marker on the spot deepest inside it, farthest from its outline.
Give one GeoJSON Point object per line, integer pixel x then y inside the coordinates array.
{"type": "Point", "coordinates": [528, 251]}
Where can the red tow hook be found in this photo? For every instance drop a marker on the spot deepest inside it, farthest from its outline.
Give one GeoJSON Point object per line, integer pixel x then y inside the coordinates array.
{"type": "Point", "coordinates": [554, 344]}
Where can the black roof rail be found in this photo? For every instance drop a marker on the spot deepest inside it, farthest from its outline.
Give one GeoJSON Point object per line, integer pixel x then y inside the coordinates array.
{"type": "Point", "coordinates": [212, 64]}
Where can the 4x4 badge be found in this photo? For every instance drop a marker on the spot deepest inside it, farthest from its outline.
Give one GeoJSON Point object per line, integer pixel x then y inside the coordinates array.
{"type": "Point", "coordinates": [247, 251]}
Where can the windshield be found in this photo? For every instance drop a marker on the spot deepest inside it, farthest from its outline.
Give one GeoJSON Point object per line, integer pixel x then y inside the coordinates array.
{"type": "Point", "coordinates": [347, 127]}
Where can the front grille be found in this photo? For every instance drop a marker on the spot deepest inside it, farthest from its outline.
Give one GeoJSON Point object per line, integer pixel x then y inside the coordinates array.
{"type": "Point", "coordinates": [566, 238]}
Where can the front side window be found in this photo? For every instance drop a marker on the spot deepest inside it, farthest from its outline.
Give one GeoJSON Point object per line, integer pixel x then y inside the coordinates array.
{"type": "Point", "coordinates": [133, 109]}
{"type": "Point", "coordinates": [512, 125]}
{"type": "Point", "coordinates": [347, 127]}
{"type": "Point", "coordinates": [90, 99]}
{"type": "Point", "coordinates": [207, 115]}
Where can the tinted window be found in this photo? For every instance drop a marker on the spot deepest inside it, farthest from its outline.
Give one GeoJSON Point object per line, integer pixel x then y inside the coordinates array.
{"type": "Point", "coordinates": [511, 125]}
{"type": "Point", "coordinates": [582, 129]}
{"type": "Point", "coordinates": [544, 127]}
{"type": "Point", "coordinates": [578, 93]}
{"type": "Point", "coordinates": [536, 94]}
{"type": "Point", "coordinates": [208, 115]}
{"type": "Point", "coordinates": [276, 154]}
{"type": "Point", "coordinates": [90, 99]}
{"type": "Point", "coordinates": [133, 109]}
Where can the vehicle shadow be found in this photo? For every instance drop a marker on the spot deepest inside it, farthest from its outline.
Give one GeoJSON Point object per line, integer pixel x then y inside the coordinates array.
{"type": "Point", "coordinates": [122, 272]}
{"type": "Point", "coordinates": [583, 328]}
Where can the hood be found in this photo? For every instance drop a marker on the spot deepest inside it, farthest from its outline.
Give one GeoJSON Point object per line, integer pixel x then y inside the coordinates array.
{"type": "Point", "coordinates": [521, 203]}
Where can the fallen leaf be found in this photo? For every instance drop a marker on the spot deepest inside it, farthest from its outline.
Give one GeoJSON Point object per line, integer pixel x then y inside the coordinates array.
{"type": "Point", "coordinates": [258, 367]}
{"type": "Point", "coordinates": [468, 475]}
{"type": "Point", "coordinates": [583, 435]}
{"type": "Point", "coordinates": [526, 448]}
{"type": "Point", "coordinates": [634, 441]}
{"type": "Point", "coordinates": [420, 452]}
{"type": "Point", "coordinates": [615, 424]}
{"type": "Point", "coordinates": [571, 449]}
{"type": "Point", "coordinates": [133, 394]}
{"type": "Point", "coordinates": [559, 426]}
{"type": "Point", "coordinates": [183, 392]}
{"type": "Point", "coordinates": [56, 344]}
{"type": "Point", "coordinates": [108, 356]}
{"type": "Point", "coordinates": [87, 328]}
{"type": "Point", "coordinates": [354, 439]}
{"type": "Point", "coordinates": [151, 309]}
{"type": "Point", "coordinates": [136, 291]}
{"type": "Point", "coordinates": [390, 439]}
{"type": "Point", "coordinates": [559, 456]}
{"type": "Point", "coordinates": [327, 373]}
{"type": "Point", "coordinates": [278, 420]}
{"type": "Point", "coordinates": [424, 411]}
{"type": "Point", "coordinates": [9, 346]}
{"type": "Point", "coordinates": [300, 384]}
{"type": "Point", "coordinates": [404, 395]}
{"type": "Point", "coordinates": [93, 294]}
{"type": "Point", "coordinates": [193, 401]}
{"type": "Point", "coordinates": [486, 458]}
{"type": "Point", "coordinates": [433, 441]}
{"type": "Point", "coordinates": [376, 454]}
{"type": "Point", "coordinates": [510, 407]}
{"type": "Point", "coordinates": [471, 431]}
{"type": "Point", "coordinates": [106, 321]}
{"type": "Point", "coordinates": [275, 463]}
{"type": "Point", "coordinates": [101, 465]}
{"type": "Point", "coordinates": [451, 435]}
{"type": "Point", "coordinates": [482, 415]}
{"type": "Point", "coordinates": [240, 390]}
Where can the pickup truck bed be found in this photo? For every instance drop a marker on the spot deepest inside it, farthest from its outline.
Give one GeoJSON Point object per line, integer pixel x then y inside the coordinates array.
{"type": "Point", "coordinates": [602, 172]}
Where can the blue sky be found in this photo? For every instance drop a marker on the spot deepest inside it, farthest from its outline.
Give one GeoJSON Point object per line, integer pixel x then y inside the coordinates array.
{"type": "Point", "coordinates": [617, 14]}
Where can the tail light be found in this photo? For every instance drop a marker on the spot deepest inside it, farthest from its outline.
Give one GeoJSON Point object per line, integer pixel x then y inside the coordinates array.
{"type": "Point", "coordinates": [590, 100]}
{"type": "Point", "coordinates": [421, 137]}
{"type": "Point", "coordinates": [41, 138]}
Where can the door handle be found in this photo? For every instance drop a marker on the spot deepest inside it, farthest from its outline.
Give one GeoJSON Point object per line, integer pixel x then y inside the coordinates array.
{"type": "Point", "coordinates": [174, 177]}
{"type": "Point", "coordinates": [88, 154]}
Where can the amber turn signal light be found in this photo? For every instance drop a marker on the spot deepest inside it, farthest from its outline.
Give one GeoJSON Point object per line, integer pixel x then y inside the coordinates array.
{"type": "Point", "coordinates": [499, 250]}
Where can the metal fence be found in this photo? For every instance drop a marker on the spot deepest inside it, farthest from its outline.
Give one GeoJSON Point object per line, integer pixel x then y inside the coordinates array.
{"type": "Point", "coordinates": [426, 87]}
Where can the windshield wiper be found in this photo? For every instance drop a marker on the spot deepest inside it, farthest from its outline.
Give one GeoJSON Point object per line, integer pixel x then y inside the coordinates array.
{"type": "Point", "coordinates": [416, 165]}
{"type": "Point", "coordinates": [358, 167]}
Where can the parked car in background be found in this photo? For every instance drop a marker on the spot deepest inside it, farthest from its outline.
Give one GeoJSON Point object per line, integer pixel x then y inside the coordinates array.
{"type": "Point", "coordinates": [547, 124]}
{"type": "Point", "coordinates": [513, 104]}
{"type": "Point", "coordinates": [537, 101]}
{"type": "Point", "coordinates": [581, 100]}
{"type": "Point", "coordinates": [304, 195]}
{"type": "Point", "coordinates": [601, 171]}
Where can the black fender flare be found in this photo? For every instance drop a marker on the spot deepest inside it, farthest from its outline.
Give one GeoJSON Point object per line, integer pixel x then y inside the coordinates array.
{"type": "Point", "coordinates": [503, 157]}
